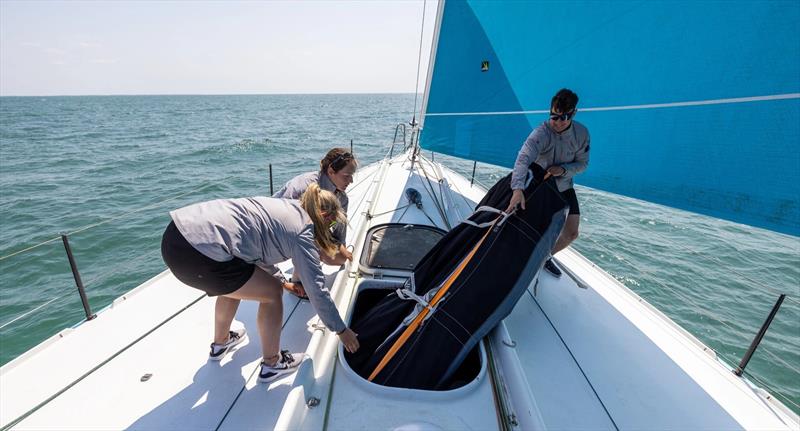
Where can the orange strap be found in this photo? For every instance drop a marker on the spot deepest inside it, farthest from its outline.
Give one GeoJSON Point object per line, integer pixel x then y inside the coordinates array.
{"type": "Point", "coordinates": [421, 316]}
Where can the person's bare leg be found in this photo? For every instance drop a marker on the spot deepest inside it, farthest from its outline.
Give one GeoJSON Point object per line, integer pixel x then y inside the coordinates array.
{"type": "Point", "coordinates": [568, 234]}
{"type": "Point", "coordinates": [270, 317]}
{"type": "Point", "coordinates": [224, 312]}
{"type": "Point", "coordinates": [267, 290]}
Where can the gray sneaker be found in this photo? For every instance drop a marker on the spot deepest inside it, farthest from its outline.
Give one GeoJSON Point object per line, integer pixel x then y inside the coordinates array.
{"type": "Point", "coordinates": [218, 351]}
{"type": "Point", "coordinates": [287, 364]}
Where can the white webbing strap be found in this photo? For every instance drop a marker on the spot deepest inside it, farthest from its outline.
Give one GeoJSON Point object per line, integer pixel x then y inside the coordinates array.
{"type": "Point", "coordinates": [422, 302]}
{"type": "Point", "coordinates": [407, 294]}
{"type": "Point", "coordinates": [504, 215]}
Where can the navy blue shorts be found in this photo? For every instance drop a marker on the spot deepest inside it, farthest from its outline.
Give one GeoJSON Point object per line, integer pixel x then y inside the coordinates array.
{"type": "Point", "coordinates": [572, 199]}
{"type": "Point", "coordinates": [200, 271]}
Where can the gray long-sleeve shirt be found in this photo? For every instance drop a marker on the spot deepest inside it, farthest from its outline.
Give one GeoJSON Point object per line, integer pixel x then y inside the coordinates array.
{"type": "Point", "coordinates": [262, 231]}
{"type": "Point", "coordinates": [295, 187]}
{"type": "Point", "coordinates": [568, 149]}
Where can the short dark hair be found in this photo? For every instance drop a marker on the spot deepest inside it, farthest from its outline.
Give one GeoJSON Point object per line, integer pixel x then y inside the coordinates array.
{"type": "Point", "coordinates": [564, 101]}
{"type": "Point", "coordinates": [337, 158]}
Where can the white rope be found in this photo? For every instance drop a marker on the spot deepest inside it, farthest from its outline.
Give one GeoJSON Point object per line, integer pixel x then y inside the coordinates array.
{"type": "Point", "coordinates": [390, 211]}
{"type": "Point", "coordinates": [505, 215]}
{"type": "Point", "coordinates": [88, 283]}
{"type": "Point", "coordinates": [34, 310]}
{"type": "Point", "coordinates": [31, 247]}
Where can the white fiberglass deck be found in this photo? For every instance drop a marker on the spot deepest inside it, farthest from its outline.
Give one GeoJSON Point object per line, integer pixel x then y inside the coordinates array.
{"type": "Point", "coordinates": [568, 357]}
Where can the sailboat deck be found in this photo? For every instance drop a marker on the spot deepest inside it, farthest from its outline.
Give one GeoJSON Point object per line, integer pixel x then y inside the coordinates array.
{"type": "Point", "coordinates": [579, 352]}
{"type": "Point", "coordinates": [184, 390]}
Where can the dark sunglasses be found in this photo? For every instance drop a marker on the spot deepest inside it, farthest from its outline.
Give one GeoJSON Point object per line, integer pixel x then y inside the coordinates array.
{"type": "Point", "coordinates": [344, 156]}
{"type": "Point", "coordinates": [562, 117]}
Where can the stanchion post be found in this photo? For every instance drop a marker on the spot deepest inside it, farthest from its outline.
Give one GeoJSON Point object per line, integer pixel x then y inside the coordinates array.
{"type": "Point", "coordinates": [756, 341]}
{"type": "Point", "coordinates": [271, 192]}
{"type": "Point", "coordinates": [472, 180]}
{"type": "Point", "coordinates": [77, 276]}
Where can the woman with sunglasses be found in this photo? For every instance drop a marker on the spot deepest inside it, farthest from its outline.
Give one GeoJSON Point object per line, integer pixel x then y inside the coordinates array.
{"type": "Point", "coordinates": [560, 146]}
{"type": "Point", "coordinates": [227, 247]}
{"type": "Point", "coordinates": [335, 173]}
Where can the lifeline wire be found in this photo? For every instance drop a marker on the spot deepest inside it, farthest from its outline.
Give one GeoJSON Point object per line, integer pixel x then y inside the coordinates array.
{"type": "Point", "coordinates": [104, 222]}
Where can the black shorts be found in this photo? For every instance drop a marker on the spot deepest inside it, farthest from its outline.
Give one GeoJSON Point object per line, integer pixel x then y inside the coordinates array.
{"type": "Point", "coordinates": [200, 271]}
{"type": "Point", "coordinates": [572, 199]}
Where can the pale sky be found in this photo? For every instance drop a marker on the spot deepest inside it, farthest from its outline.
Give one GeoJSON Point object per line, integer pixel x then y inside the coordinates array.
{"type": "Point", "coordinates": [212, 47]}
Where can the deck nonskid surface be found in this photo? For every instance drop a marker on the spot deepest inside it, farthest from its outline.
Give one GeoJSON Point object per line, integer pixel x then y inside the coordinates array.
{"type": "Point", "coordinates": [57, 363]}
{"type": "Point", "coordinates": [564, 396]}
{"type": "Point", "coordinates": [601, 351]}
{"type": "Point", "coordinates": [185, 389]}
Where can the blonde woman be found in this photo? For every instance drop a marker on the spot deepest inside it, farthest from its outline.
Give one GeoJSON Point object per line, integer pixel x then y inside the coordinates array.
{"type": "Point", "coordinates": [227, 247]}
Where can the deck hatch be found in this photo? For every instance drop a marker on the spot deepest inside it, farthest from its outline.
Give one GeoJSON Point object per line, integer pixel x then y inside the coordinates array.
{"type": "Point", "coordinates": [398, 246]}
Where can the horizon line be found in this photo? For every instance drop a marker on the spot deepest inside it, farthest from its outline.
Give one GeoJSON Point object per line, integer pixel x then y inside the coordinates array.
{"type": "Point", "coordinates": [203, 94]}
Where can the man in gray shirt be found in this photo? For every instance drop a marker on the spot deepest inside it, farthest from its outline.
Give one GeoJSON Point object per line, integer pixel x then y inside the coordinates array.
{"type": "Point", "coordinates": [560, 146]}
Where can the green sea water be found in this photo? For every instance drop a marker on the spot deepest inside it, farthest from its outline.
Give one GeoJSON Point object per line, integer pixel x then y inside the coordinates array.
{"type": "Point", "coordinates": [107, 170]}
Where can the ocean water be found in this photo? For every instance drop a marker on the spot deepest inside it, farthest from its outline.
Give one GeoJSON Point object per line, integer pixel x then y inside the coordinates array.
{"type": "Point", "coordinates": [106, 170]}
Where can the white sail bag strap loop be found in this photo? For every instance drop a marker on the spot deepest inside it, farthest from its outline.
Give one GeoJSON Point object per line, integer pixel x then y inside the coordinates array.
{"type": "Point", "coordinates": [422, 303]}
{"type": "Point", "coordinates": [489, 223]}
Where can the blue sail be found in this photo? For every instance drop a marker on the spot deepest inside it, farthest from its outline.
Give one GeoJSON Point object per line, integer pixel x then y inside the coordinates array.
{"type": "Point", "coordinates": [694, 105]}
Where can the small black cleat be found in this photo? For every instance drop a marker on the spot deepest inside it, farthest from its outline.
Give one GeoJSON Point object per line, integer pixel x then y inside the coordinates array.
{"type": "Point", "coordinates": [552, 268]}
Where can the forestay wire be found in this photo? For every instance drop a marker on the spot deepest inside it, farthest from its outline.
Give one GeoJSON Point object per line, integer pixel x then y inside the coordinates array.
{"type": "Point", "coordinates": [419, 64]}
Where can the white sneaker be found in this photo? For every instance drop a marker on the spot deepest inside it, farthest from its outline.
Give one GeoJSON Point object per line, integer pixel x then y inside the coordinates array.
{"type": "Point", "coordinates": [287, 364]}
{"type": "Point", "coordinates": [218, 351]}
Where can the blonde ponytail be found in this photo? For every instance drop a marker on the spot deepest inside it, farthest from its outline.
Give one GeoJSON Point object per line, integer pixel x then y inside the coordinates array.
{"type": "Point", "coordinates": [318, 203]}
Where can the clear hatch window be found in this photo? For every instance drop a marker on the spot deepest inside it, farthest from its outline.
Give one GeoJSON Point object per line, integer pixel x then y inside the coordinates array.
{"type": "Point", "coordinates": [399, 246]}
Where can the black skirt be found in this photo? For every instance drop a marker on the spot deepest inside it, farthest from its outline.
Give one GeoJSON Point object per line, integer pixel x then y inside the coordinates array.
{"type": "Point", "coordinates": [200, 271]}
